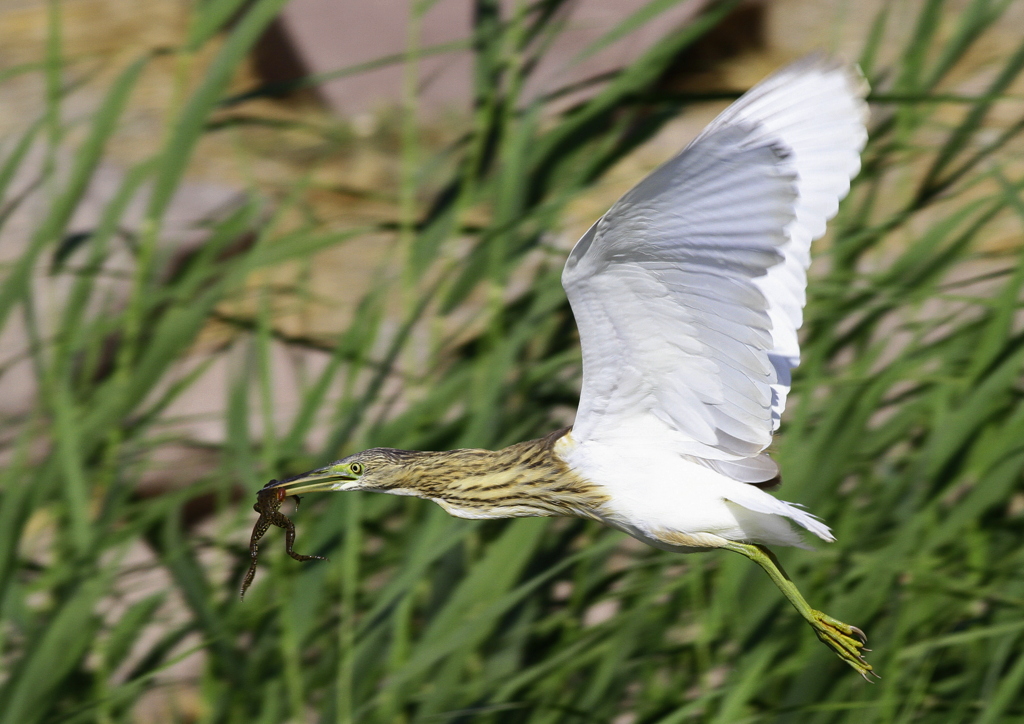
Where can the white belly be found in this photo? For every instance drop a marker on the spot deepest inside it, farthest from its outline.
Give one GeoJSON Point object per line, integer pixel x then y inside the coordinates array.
{"type": "Point", "coordinates": [653, 491]}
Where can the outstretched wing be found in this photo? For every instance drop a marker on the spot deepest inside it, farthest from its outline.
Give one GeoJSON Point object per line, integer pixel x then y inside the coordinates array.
{"type": "Point", "coordinates": [688, 293]}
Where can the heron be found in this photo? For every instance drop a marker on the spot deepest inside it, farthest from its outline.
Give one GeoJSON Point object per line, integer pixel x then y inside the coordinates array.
{"type": "Point", "coordinates": [688, 294]}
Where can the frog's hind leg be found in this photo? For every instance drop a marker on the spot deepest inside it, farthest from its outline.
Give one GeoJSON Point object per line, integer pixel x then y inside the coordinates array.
{"type": "Point", "coordinates": [289, 540]}
{"type": "Point", "coordinates": [258, 531]}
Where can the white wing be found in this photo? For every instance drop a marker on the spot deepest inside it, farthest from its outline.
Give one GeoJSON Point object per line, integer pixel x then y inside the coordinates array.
{"type": "Point", "coordinates": [688, 293]}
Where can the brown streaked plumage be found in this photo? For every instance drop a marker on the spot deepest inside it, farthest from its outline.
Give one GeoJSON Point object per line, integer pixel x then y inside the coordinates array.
{"type": "Point", "coordinates": [522, 480]}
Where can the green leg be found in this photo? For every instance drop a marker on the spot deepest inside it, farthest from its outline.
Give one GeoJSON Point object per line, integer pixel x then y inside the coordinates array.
{"type": "Point", "coordinates": [847, 641]}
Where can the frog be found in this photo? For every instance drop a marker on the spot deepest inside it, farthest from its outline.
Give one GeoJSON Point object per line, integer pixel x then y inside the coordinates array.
{"type": "Point", "coordinates": [268, 504]}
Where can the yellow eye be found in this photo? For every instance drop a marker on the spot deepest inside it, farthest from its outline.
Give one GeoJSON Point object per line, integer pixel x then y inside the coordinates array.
{"type": "Point", "coordinates": [356, 468]}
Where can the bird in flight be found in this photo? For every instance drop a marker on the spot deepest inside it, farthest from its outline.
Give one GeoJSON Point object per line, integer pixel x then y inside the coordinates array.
{"type": "Point", "coordinates": [688, 294]}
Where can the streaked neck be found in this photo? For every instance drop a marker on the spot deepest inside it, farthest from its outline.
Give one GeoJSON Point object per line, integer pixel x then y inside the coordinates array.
{"type": "Point", "coordinates": [526, 479]}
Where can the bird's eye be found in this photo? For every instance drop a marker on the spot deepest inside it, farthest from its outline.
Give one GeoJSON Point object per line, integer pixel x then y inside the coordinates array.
{"type": "Point", "coordinates": [356, 468]}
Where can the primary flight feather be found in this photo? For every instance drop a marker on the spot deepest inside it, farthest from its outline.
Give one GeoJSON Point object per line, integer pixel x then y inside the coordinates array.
{"type": "Point", "coordinates": [688, 294]}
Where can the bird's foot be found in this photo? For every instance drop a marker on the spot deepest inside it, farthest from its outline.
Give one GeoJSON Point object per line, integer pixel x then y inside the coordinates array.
{"type": "Point", "coordinates": [846, 640]}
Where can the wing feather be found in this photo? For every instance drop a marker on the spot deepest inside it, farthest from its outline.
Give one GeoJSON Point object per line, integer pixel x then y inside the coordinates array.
{"type": "Point", "coordinates": [689, 292]}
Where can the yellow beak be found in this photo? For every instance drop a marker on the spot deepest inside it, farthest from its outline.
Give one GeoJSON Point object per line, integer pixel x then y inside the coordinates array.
{"type": "Point", "coordinates": [314, 480]}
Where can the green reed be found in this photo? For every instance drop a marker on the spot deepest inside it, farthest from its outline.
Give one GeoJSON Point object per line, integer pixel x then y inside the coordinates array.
{"type": "Point", "coordinates": [904, 432]}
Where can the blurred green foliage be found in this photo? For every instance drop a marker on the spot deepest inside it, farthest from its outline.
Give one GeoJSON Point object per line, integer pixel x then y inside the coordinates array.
{"type": "Point", "coordinates": [905, 433]}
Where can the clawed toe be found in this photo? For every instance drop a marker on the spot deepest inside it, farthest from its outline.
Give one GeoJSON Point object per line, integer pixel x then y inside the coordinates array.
{"type": "Point", "coordinates": [847, 641]}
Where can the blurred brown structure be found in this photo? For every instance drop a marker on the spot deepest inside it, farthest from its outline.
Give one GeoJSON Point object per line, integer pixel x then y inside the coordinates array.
{"type": "Point", "coordinates": [323, 36]}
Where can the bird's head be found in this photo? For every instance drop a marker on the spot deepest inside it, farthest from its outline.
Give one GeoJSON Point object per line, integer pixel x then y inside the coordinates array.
{"type": "Point", "coordinates": [380, 469]}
